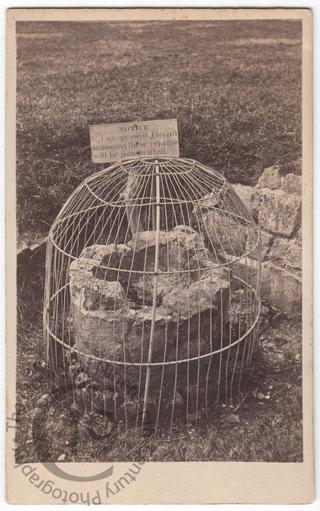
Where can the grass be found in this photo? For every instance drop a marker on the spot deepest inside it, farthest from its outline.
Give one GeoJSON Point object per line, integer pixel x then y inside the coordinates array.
{"type": "Point", "coordinates": [235, 88]}
{"type": "Point", "coordinates": [269, 428]}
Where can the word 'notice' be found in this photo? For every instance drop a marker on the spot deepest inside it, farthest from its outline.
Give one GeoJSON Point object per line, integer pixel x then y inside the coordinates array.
{"type": "Point", "coordinates": [113, 142]}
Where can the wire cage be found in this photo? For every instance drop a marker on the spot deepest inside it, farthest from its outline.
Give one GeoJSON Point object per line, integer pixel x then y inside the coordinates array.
{"type": "Point", "coordinates": [152, 295]}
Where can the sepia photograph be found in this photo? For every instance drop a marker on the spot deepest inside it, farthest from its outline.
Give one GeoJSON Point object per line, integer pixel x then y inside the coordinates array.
{"type": "Point", "coordinates": [160, 189]}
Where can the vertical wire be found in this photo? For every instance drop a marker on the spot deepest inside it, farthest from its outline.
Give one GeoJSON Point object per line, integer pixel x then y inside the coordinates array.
{"type": "Point", "coordinates": [231, 206]}
{"type": "Point", "coordinates": [222, 212]}
{"type": "Point", "coordinates": [179, 186]}
{"type": "Point", "coordinates": [93, 238]}
{"type": "Point", "coordinates": [178, 315]}
{"type": "Point", "coordinates": [189, 322]}
{"type": "Point", "coordinates": [247, 341]}
{"type": "Point", "coordinates": [257, 298]}
{"type": "Point", "coordinates": [75, 245]}
{"type": "Point", "coordinates": [132, 210]}
{"type": "Point", "coordinates": [138, 196]}
{"type": "Point", "coordinates": [204, 191]}
{"type": "Point", "coordinates": [155, 288]}
{"type": "Point", "coordinates": [143, 305]}
{"type": "Point", "coordinates": [167, 268]}
{"type": "Point", "coordinates": [178, 192]}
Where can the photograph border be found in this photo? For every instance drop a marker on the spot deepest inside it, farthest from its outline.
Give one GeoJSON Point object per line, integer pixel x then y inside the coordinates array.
{"type": "Point", "coordinates": [176, 482]}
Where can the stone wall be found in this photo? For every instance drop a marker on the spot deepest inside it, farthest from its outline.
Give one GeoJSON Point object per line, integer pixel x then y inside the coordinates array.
{"type": "Point", "coordinates": [275, 204]}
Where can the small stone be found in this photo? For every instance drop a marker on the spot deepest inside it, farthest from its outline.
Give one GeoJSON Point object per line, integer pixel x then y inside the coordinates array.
{"type": "Point", "coordinates": [99, 426]}
{"type": "Point", "coordinates": [279, 212]}
{"type": "Point", "coordinates": [82, 380]}
{"type": "Point", "coordinates": [75, 411]}
{"type": "Point", "coordinates": [267, 396]}
{"type": "Point", "coordinates": [273, 359]}
{"type": "Point", "coordinates": [233, 419]}
{"type": "Point", "coordinates": [270, 178]}
{"type": "Point", "coordinates": [104, 295]}
{"type": "Point", "coordinates": [264, 312]}
{"type": "Point", "coordinates": [44, 400]}
{"type": "Point", "coordinates": [178, 400]}
{"type": "Point", "coordinates": [62, 457]}
{"type": "Point", "coordinates": [291, 183]}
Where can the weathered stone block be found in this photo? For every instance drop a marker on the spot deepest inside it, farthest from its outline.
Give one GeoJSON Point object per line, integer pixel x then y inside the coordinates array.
{"type": "Point", "coordinates": [180, 249]}
{"type": "Point", "coordinates": [206, 293]}
{"type": "Point", "coordinates": [287, 253]}
{"type": "Point", "coordinates": [270, 178]}
{"type": "Point", "coordinates": [256, 201]}
{"type": "Point", "coordinates": [223, 233]}
{"type": "Point", "coordinates": [291, 183]}
{"type": "Point", "coordinates": [281, 289]}
{"type": "Point", "coordinates": [245, 193]}
{"type": "Point", "coordinates": [279, 212]}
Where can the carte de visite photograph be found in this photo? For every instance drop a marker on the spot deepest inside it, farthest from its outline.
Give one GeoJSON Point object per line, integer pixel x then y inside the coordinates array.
{"type": "Point", "coordinates": [160, 249]}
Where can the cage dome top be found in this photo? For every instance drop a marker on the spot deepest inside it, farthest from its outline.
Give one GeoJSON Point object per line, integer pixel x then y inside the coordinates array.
{"type": "Point", "coordinates": [121, 200]}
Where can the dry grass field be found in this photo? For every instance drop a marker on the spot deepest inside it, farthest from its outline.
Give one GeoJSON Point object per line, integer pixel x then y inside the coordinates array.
{"type": "Point", "coordinates": [235, 89]}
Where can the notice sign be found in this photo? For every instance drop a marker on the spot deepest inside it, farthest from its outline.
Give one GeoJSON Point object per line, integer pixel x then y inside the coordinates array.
{"type": "Point", "coordinates": [113, 142]}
